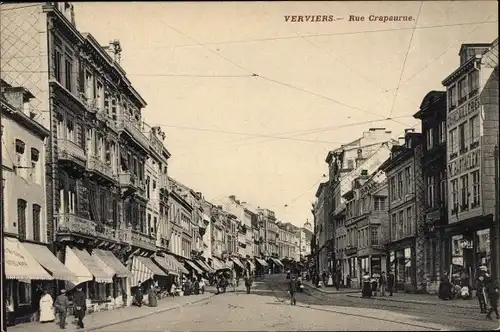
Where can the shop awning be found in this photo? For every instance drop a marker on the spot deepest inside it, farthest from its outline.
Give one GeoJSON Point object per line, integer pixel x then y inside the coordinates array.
{"type": "Point", "coordinates": [178, 265]}
{"type": "Point", "coordinates": [204, 265]}
{"type": "Point", "coordinates": [238, 262]}
{"type": "Point", "coordinates": [110, 272]}
{"type": "Point", "coordinates": [216, 264]}
{"type": "Point", "coordinates": [110, 259]}
{"type": "Point", "coordinates": [252, 265]}
{"type": "Point", "coordinates": [96, 268]}
{"type": "Point", "coordinates": [277, 262]}
{"type": "Point", "coordinates": [20, 264]}
{"type": "Point", "coordinates": [194, 267]}
{"type": "Point", "coordinates": [46, 258]}
{"type": "Point", "coordinates": [166, 265]}
{"type": "Point", "coordinates": [144, 268]}
{"type": "Point", "coordinates": [73, 263]}
{"type": "Point", "coordinates": [262, 262]}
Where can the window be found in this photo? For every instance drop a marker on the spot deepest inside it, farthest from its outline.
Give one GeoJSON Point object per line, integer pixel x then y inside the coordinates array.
{"type": "Point", "coordinates": [89, 86]}
{"type": "Point", "coordinates": [24, 293]}
{"type": "Point", "coordinates": [149, 228]}
{"type": "Point", "coordinates": [442, 187]}
{"type": "Point", "coordinates": [453, 142]}
{"type": "Point", "coordinates": [68, 77]}
{"type": "Point", "coordinates": [21, 218]}
{"type": "Point", "coordinates": [374, 237]}
{"type": "Point", "coordinates": [35, 174]}
{"type": "Point", "coordinates": [36, 223]}
{"type": "Point", "coordinates": [464, 197]}
{"type": "Point", "coordinates": [474, 81]}
{"type": "Point", "coordinates": [379, 203]}
{"type": "Point", "coordinates": [430, 191]}
{"type": "Point", "coordinates": [58, 65]}
{"type": "Point", "coordinates": [462, 137]}
{"type": "Point", "coordinates": [476, 190]}
{"type": "Point", "coordinates": [462, 89]}
{"type": "Point", "coordinates": [400, 184]}
{"type": "Point", "coordinates": [20, 158]}
{"type": "Point", "coordinates": [100, 96]}
{"type": "Point", "coordinates": [442, 132]}
{"type": "Point", "coordinates": [474, 129]}
{"type": "Point", "coordinates": [409, 221]}
{"type": "Point", "coordinates": [408, 180]}
{"type": "Point", "coordinates": [428, 138]}
{"type": "Point", "coordinates": [454, 194]}
{"type": "Point", "coordinates": [401, 224]}
{"type": "Point", "coordinates": [452, 97]}
{"type": "Point", "coordinates": [70, 125]}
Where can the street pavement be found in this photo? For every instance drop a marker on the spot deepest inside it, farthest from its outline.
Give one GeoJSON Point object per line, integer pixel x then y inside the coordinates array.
{"type": "Point", "coordinates": [268, 308]}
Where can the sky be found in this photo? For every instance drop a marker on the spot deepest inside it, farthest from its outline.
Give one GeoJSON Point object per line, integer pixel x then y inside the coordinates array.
{"type": "Point", "coordinates": [264, 138]}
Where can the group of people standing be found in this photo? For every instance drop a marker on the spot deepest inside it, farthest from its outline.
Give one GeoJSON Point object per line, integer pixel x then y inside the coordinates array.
{"type": "Point", "coordinates": [377, 283]}
{"type": "Point", "coordinates": [61, 306]}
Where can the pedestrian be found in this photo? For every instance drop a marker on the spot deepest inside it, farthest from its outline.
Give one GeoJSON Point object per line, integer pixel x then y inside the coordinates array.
{"type": "Point", "coordinates": [480, 288]}
{"type": "Point", "coordinates": [390, 282]}
{"type": "Point", "coordinates": [492, 292]}
{"type": "Point", "coordinates": [382, 281]}
{"type": "Point", "coordinates": [248, 281]}
{"type": "Point", "coordinates": [61, 306]}
{"type": "Point", "coordinates": [292, 288]}
{"type": "Point", "coordinates": [152, 299]}
{"type": "Point", "coordinates": [374, 283]}
{"type": "Point", "coordinates": [337, 279]}
{"type": "Point", "coordinates": [46, 308]}
{"type": "Point", "coordinates": [139, 294]}
{"type": "Point", "coordinates": [366, 290]}
{"type": "Point", "coordinates": [80, 306]}
{"type": "Point", "coordinates": [323, 275]}
{"type": "Point", "coordinates": [202, 285]}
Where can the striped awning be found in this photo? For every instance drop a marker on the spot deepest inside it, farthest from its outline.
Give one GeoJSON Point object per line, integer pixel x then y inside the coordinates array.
{"type": "Point", "coordinates": [216, 264]}
{"type": "Point", "coordinates": [252, 265]}
{"type": "Point", "coordinates": [238, 262]}
{"type": "Point", "coordinates": [20, 264]}
{"type": "Point", "coordinates": [277, 262]}
{"type": "Point", "coordinates": [110, 259]}
{"type": "Point", "coordinates": [166, 265]}
{"type": "Point", "coordinates": [178, 264]}
{"type": "Point", "coordinates": [144, 268]}
{"type": "Point", "coordinates": [99, 271]}
{"type": "Point", "coordinates": [193, 266]}
{"type": "Point", "coordinates": [261, 262]}
{"type": "Point", "coordinates": [204, 265]}
{"type": "Point", "coordinates": [50, 262]}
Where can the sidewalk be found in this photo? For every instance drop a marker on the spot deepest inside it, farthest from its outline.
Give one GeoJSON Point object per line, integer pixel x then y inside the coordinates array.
{"type": "Point", "coordinates": [424, 299]}
{"type": "Point", "coordinates": [330, 290]}
{"type": "Point", "coordinates": [103, 319]}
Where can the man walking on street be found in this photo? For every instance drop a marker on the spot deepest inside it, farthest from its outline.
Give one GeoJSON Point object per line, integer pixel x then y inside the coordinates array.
{"type": "Point", "coordinates": [80, 304]}
{"type": "Point", "coordinates": [390, 282]}
{"type": "Point", "coordinates": [61, 305]}
{"type": "Point", "coordinates": [382, 281]}
{"type": "Point", "coordinates": [139, 294]}
{"type": "Point", "coordinates": [292, 288]}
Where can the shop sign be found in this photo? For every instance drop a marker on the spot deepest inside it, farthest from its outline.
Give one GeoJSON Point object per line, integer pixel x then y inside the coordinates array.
{"type": "Point", "coordinates": [464, 163]}
{"type": "Point", "coordinates": [14, 258]}
{"type": "Point", "coordinates": [463, 112]}
{"type": "Point", "coordinates": [433, 216]}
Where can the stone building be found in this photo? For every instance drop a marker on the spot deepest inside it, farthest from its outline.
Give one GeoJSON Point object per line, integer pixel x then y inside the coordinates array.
{"type": "Point", "coordinates": [406, 213]}
{"type": "Point", "coordinates": [432, 114]}
{"type": "Point", "coordinates": [472, 130]}
{"type": "Point", "coordinates": [321, 218]}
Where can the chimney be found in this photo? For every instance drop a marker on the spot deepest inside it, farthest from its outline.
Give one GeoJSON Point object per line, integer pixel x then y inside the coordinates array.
{"type": "Point", "coordinates": [364, 172]}
{"type": "Point", "coordinates": [232, 197]}
{"type": "Point", "coordinates": [17, 97]}
{"type": "Point", "coordinates": [409, 130]}
{"type": "Point", "coordinates": [114, 50]}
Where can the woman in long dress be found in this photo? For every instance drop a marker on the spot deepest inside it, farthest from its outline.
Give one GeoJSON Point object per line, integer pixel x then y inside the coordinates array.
{"type": "Point", "coordinates": [46, 308]}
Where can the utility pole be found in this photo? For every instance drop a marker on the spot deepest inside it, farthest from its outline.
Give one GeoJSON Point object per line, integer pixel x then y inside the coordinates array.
{"type": "Point", "coordinates": [2, 225]}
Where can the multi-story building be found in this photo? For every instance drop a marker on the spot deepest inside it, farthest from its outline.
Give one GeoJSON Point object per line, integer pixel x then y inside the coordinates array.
{"type": "Point", "coordinates": [472, 130]}
{"type": "Point", "coordinates": [406, 211]}
{"type": "Point", "coordinates": [286, 243]}
{"type": "Point", "coordinates": [156, 183]}
{"type": "Point", "coordinates": [249, 220]}
{"type": "Point", "coordinates": [346, 163]}
{"type": "Point", "coordinates": [367, 225]}
{"type": "Point", "coordinates": [96, 152]}
{"type": "Point", "coordinates": [303, 238]}
{"type": "Point", "coordinates": [321, 217]}
{"type": "Point", "coordinates": [432, 114]}
{"type": "Point", "coordinates": [24, 207]}
{"type": "Point", "coordinates": [180, 214]}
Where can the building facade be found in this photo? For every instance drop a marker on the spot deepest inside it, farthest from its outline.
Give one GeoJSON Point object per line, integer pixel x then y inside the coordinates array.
{"type": "Point", "coordinates": [406, 211]}
{"type": "Point", "coordinates": [321, 217]}
{"type": "Point", "coordinates": [472, 132]}
{"type": "Point", "coordinates": [346, 163]}
{"type": "Point", "coordinates": [432, 114]}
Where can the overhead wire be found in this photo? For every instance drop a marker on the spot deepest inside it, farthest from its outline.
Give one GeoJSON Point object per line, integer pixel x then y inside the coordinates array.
{"type": "Point", "coordinates": [405, 58]}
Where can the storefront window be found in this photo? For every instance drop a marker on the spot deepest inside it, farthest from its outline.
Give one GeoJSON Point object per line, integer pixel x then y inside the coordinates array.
{"type": "Point", "coordinates": [376, 265]}
{"type": "Point", "coordinates": [483, 249]}
{"type": "Point", "coordinates": [408, 265]}
{"type": "Point", "coordinates": [24, 292]}
{"type": "Point", "coordinates": [9, 296]}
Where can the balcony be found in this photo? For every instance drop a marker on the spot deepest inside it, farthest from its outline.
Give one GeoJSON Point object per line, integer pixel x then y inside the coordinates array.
{"type": "Point", "coordinates": [104, 169]}
{"type": "Point", "coordinates": [142, 240]}
{"type": "Point", "coordinates": [125, 124]}
{"type": "Point", "coordinates": [131, 184]}
{"type": "Point", "coordinates": [69, 151]}
{"type": "Point", "coordinates": [70, 223]}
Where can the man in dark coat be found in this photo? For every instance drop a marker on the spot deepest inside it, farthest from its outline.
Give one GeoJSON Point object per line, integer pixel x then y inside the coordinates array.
{"type": "Point", "coordinates": [61, 305]}
{"type": "Point", "coordinates": [481, 289]}
{"type": "Point", "coordinates": [492, 291]}
{"type": "Point", "coordinates": [337, 279]}
{"type": "Point", "coordinates": [80, 304]}
{"type": "Point", "coordinates": [292, 288]}
{"type": "Point", "coordinates": [390, 282]}
{"type": "Point", "coordinates": [139, 294]}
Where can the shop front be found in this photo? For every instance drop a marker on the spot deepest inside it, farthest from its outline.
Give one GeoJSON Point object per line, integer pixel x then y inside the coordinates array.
{"type": "Point", "coordinates": [373, 264]}
{"type": "Point", "coordinates": [351, 265]}
{"type": "Point", "coordinates": [402, 263]}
